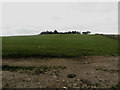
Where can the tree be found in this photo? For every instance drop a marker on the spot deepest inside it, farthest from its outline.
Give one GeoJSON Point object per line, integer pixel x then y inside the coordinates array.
{"type": "Point", "coordinates": [88, 32]}
{"type": "Point", "coordinates": [55, 32]}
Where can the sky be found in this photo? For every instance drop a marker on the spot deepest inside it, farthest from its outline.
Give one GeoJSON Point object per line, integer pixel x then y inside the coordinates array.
{"type": "Point", "coordinates": [31, 18]}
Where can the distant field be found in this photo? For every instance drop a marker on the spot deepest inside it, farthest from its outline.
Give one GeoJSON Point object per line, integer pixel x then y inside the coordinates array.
{"type": "Point", "coordinates": [57, 45]}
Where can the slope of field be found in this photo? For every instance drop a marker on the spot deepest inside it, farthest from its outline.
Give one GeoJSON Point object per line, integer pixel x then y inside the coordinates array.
{"type": "Point", "coordinates": [57, 45]}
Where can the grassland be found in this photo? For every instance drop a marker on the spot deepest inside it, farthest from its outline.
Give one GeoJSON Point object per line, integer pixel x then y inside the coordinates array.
{"type": "Point", "coordinates": [57, 45]}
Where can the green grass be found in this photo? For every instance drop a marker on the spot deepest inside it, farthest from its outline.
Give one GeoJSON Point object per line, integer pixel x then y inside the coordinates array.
{"type": "Point", "coordinates": [16, 68]}
{"type": "Point", "coordinates": [24, 69]}
{"type": "Point", "coordinates": [57, 45]}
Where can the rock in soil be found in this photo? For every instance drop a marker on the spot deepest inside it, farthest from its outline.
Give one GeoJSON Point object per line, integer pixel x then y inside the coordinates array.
{"type": "Point", "coordinates": [71, 75]}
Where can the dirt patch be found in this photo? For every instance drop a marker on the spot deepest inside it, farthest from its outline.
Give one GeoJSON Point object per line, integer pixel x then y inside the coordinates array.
{"type": "Point", "coordinates": [92, 72]}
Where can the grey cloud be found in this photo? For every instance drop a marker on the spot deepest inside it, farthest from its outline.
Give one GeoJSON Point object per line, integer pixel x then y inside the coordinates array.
{"type": "Point", "coordinates": [56, 18]}
{"type": "Point", "coordinates": [32, 18]}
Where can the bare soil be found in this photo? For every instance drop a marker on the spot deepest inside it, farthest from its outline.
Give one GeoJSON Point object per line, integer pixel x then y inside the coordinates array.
{"type": "Point", "coordinates": [91, 72]}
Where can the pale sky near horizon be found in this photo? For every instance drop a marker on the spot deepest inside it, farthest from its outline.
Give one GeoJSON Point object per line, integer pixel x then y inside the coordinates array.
{"type": "Point", "coordinates": [24, 18]}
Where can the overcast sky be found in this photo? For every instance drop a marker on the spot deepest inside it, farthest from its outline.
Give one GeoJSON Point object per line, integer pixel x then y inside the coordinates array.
{"type": "Point", "coordinates": [31, 18]}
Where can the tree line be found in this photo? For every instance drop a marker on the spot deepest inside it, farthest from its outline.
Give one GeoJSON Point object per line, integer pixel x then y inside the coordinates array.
{"type": "Point", "coordinates": [69, 32]}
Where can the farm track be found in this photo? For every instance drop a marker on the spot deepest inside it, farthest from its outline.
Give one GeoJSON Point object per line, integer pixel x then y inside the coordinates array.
{"type": "Point", "coordinates": [92, 72]}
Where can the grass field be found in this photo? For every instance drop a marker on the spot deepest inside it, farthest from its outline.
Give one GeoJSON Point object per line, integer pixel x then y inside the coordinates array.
{"type": "Point", "coordinates": [57, 45]}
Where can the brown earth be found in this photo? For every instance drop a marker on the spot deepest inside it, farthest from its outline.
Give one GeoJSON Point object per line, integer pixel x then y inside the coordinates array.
{"type": "Point", "coordinates": [92, 72]}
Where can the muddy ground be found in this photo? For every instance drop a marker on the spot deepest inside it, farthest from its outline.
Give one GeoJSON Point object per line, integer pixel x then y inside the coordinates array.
{"type": "Point", "coordinates": [90, 72]}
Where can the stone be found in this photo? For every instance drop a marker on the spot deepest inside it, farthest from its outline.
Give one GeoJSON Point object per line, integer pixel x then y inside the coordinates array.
{"type": "Point", "coordinates": [71, 75]}
{"type": "Point", "coordinates": [38, 71]}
